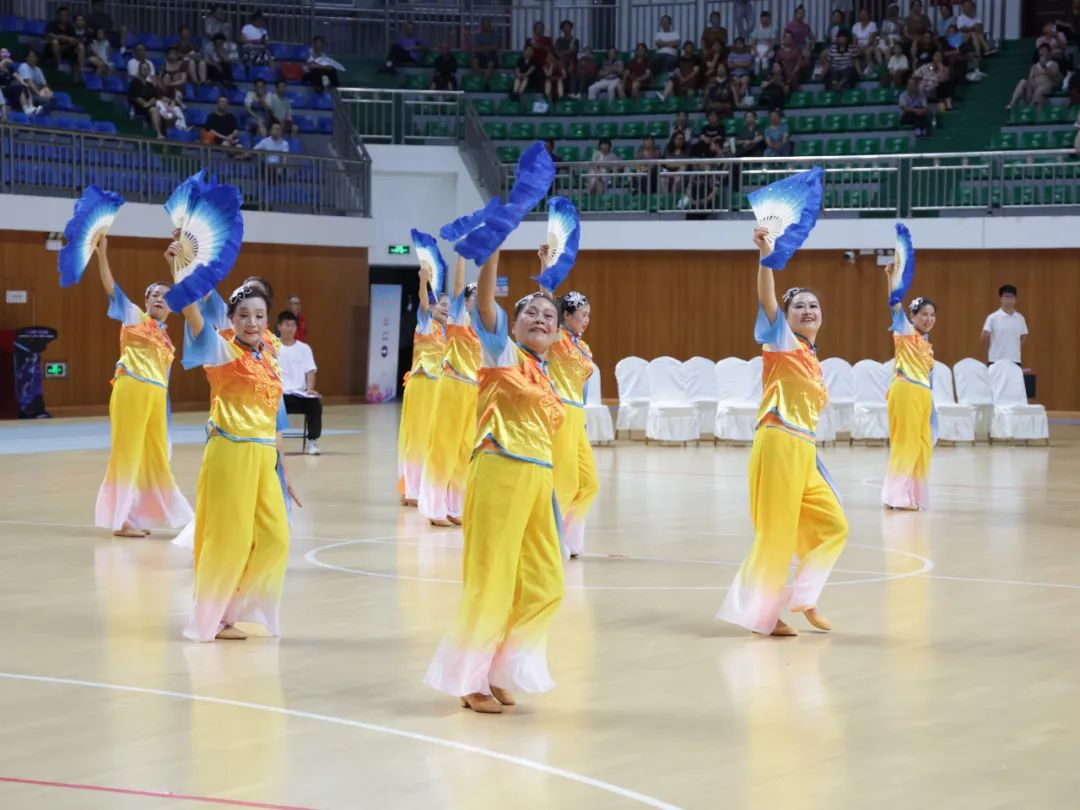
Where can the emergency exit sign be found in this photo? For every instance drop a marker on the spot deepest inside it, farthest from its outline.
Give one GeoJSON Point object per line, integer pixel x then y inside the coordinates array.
{"type": "Point", "coordinates": [56, 370]}
{"type": "Point", "coordinates": [399, 250]}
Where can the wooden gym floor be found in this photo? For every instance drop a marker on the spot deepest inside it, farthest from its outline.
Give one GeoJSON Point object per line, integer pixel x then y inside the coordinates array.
{"type": "Point", "coordinates": [950, 681]}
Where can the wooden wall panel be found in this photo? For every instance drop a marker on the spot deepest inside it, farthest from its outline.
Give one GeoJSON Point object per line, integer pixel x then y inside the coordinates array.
{"type": "Point", "coordinates": [686, 303]}
{"type": "Point", "coordinates": [332, 282]}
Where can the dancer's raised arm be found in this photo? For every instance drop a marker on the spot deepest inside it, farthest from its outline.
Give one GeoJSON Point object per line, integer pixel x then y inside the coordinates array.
{"type": "Point", "coordinates": [425, 285]}
{"type": "Point", "coordinates": [101, 251]}
{"type": "Point", "coordinates": [485, 293]}
{"type": "Point", "coordinates": [459, 277]}
{"type": "Point", "coordinates": [192, 313]}
{"type": "Point", "coordinates": [766, 285]}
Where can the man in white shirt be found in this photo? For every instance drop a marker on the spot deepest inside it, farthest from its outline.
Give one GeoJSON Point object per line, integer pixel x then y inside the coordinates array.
{"type": "Point", "coordinates": [1005, 330]}
{"type": "Point", "coordinates": [667, 42]}
{"type": "Point", "coordinates": [138, 59]}
{"type": "Point", "coordinates": [298, 380]}
{"type": "Point", "coordinates": [275, 142]}
{"type": "Point", "coordinates": [971, 26]}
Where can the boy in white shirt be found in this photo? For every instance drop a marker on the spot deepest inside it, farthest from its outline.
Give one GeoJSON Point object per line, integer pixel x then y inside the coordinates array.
{"type": "Point", "coordinates": [1005, 330]}
{"type": "Point", "coordinates": [274, 142]}
{"type": "Point", "coordinates": [298, 371]}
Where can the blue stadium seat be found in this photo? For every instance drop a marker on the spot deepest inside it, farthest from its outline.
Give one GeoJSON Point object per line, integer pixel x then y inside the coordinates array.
{"type": "Point", "coordinates": [189, 93]}
{"type": "Point", "coordinates": [116, 83]}
{"type": "Point", "coordinates": [322, 101]}
{"type": "Point", "coordinates": [305, 122]}
{"type": "Point", "coordinates": [299, 53]}
{"type": "Point", "coordinates": [280, 50]}
{"type": "Point", "coordinates": [119, 61]}
{"type": "Point", "coordinates": [246, 140]}
{"type": "Point", "coordinates": [324, 125]}
{"type": "Point", "coordinates": [299, 101]}
{"type": "Point", "coordinates": [208, 94]}
{"type": "Point", "coordinates": [62, 101]}
{"type": "Point", "coordinates": [295, 147]}
{"type": "Point", "coordinates": [93, 82]}
{"type": "Point", "coordinates": [158, 62]}
{"type": "Point", "coordinates": [34, 28]}
{"type": "Point", "coordinates": [10, 25]}
{"type": "Point", "coordinates": [83, 125]}
{"type": "Point", "coordinates": [16, 117]}
{"type": "Point", "coordinates": [170, 41]}
{"type": "Point", "coordinates": [237, 95]}
{"type": "Point", "coordinates": [195, 117]}
{"type": "Point", "coordinates": [260, 72]}
{"type": "Point", "coordinates": [105, 127]}
{"type": "Point", "coordinates": [44, 121]}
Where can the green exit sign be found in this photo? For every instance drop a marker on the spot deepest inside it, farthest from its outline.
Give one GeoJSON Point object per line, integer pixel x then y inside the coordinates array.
{"type": "Point", "coordinates": [399, 250]}
{"type": "Point", "coordinates": [56, 371]}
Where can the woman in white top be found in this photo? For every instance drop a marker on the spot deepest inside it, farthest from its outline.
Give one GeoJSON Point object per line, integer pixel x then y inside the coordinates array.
{"type": "Point", "coordinates": [865, 34]}
{"type": "Point", "coordinates": [899, 68]}
{"type": "Point", "coordinates": [255, 41]}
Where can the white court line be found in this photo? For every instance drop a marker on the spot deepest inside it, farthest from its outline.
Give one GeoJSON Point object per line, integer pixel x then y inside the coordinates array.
{"type": "Point", "coordinates": [550, 770]}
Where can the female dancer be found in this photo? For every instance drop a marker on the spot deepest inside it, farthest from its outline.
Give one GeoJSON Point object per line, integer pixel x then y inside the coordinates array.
{"type": "Point", "coordinates": [571, 366]}
{"type": "Point", "coordinates": [429, 347]}
{"type": "Point", "coordinates": [512, 566]}
{"type": "Point", "coordinates": [139, 492]}
{"type": "Point", "coordinates": [241, 528]}
{"type": "Point", "coordinates": [794, 506]}
{"type": "Point", "coordinates": [911, 406]}
{"type": "Point", "coordinates": [453, 418]}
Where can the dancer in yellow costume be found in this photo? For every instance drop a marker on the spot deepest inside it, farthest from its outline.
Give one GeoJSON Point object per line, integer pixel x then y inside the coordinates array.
{"type": "Point", "coordinates": [512, 567]}
{"type": "Point", "coordinates": [912, 418]}
{"type": "Point", "coordinates": [241, 528]}
{"type": "Point", "coordinates": [794, 506]}
{"type": "Point", "coordinates": [139, 492]}
{"type": "Point", "coordinates": [453, 420]}
{"type": "Point", "coordinates": [429, 348]}
{"type": "Point", "coordinates": [571, 365]}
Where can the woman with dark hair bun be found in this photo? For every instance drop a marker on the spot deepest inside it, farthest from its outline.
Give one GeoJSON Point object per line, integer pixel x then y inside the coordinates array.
{"type": "Point", "coordinates": [570, 365]}
{"type": "Point", "coordinates": [912, 419]}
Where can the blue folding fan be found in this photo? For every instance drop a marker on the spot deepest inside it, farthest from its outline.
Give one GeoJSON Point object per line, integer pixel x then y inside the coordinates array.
{"type": "Point", "coordinates": [427, 252]}
{"type": "Point", "coordinates": [453, 231]}
{"type": "Point", "coordinates": [94, 212]}
{"type": "Point", "coordinates": [904, 261]}
{"type": "Point", "coordinates": [564, 233]}
{"type": "Point", "coordinates": [788, 209]}
{"type": "Point", "coordinates": [182, 200]}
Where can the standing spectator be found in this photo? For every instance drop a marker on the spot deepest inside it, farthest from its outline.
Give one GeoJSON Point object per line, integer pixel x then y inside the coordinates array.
{"type": "Point", "coordinates": [554, 78]}
{"type": "Point", "coordinates": [775, 89]}
{"type": "Point", "coordinates": [541, 44]}
{"type": "Point", "coordinates": [191, 56]}
{"type": "Point", "coordinates": [274, 142]}
{"type": "Point", "coordinates": [865, 33]}
{"type": "Point", "coordinates": [801, 32]}
{"type": "Point", "coordinates": [1005, 330]}
{"type": "Point", "coordinates": [220, 56]}
{"type": "Point", "coordinates": [764, 43]}
{"type": "Point", "coordinates": [585, 73]}
{"type": "Point", "coordinates": [64, 43]}
{"type": "Point", "coordinates": [898, 68]}
{"type": "Point", "coordinates": [215, 23]}
{"type": "Point", "coordinates": [485, 51]}
{"type": "Point", "coordinates": [296, 308]}
{"type": "Point", "coordinates": [841, 72]}
{"type": "Point", "coordinates": [777, 136]}
{"type": "Point", "coordinates": [257, 104]}
{"type": "Point", "coordinates": [914, 109]}
{"type": "Point", "coordinates": [744, 17]}
{"type": "Point", "coordinates": [445, 75]}
{"type": "Point", "coordinates": [687, 78]}
{"type": "Point", "coordinates": [1041, 80]}
{"type": "Point", "coordinates": [142, 96]}
{"type": "Point", "coordinates": [407, 49]}
{"type": "Point", "coordinates": [136, 62]}
{"type": "Point", "coordinates": [750, 142]}
{"type": "Point", "coordinates": [971, 26]}
{"type": "Point", "coordinates": [320, 71]}
{"type": "Point", "coordinates": [714, 33]}
{"type": "Point", "coordinates": [255, 42]}
{"type": "Point", "coordinates": [647, 151]}
{"type": "Point", "coordinates": [711, 142]}
{"type": "Point", "coordinates": [567, 46]}
{"type": "Point", "coordinates": [720, 94]}
{"type": "Point", "coordinates": [526, 73]}
{"type": "Point", "coordinates": [281, 110]}
{"type": "Point", "coordinates": [298, 371]}
{"type": "Point", "coordinates": [221, 128]}
{"type": "Point", "coordinates": [598, 172]}
{"type": "Point", "coordinates": [34, 79]}
{"type": "Point", "coordinates": [666, 42]}
{"type": "Point", "coordinates": [935, 82]}
{"type": "Point", "coordinates": [99, 58]}
{"type": "Point", "coordinates": [740, 64]}
{"type": "Point", "coordinates": [638, 73]}
{"type": "Point", "coordinates": [174, 75]}
{"type": "Point", "coordinates": [100, 19]}
{"type": "Point", "coordinates": [792, 59]}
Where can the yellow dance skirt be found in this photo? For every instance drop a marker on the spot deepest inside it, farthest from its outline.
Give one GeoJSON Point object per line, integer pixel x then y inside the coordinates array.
{"type": "Point", "coordinates": [576, 484]}
{"type": "Point", "coordinates": [453, 437]}
{"type": "Point", "coordinates": [414, 432]}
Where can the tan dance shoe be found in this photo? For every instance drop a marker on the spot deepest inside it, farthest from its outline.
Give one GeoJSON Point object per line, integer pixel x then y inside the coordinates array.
{"type": "Point", "coordinates": [504, 696]}
{"type": "Point", "coordinates": [442, 523]}
{"type": "Point", "coordinates": [783, 629]}
{"type": "Point", "coordinates": [484, 704]}
{"type": "Point", "coordinates": [455, 520]}
{"type": "Point", "coordinates": [816, 619]}
{"type": "Point", "coordinates": [230, 633]}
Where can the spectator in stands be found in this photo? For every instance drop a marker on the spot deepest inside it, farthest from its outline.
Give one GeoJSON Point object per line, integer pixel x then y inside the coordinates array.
{"type": "Point", "coordinates": [34, 80]}
{"type": "Point", "coordinates": [740, 67]}
{"type": "Point", "coordinates": [599, 171]}
{"type": "Point", "coordinates": [255, 42]}
{"type": "Point", "coordinates": [257, 104]}
{"type": "Point", "coordinates": [898, 68]}
{"type": "Point", "coordinates": [191, 56]}
{"type": "Point", "coordinates": [62, 42]}
{"type": "Point", "coordinates": [638, 73]}
{"type": "Point", "coordinates": [764, 43]}
{"type": "Point", "coordinates": [99, 57]}
{"type": "Point", "coordinates": [170, 110]}
{"type": "Point", "coordinates": [82, 33]}
{"type": "Point", "coordinates": [407, 49]}
{"type": "Point", "coordinates": [971, 26]}
{"type": "Point", "coordinates": [296, 308]}
{"type": "Point", "coordinates": [298, 371]}
{"type": "Point", "coordinates": [922, 52]}
{"type": "Point", "coordinates": [744, 17]}
{"type": "Point", "coordinates": [647, 151]}
{"type": "Point", "coordinates": [777, 136]}
{"type": "Point", "coordinates": [585, 73]}
{"type": "Point", "coordinates": [541, 44]}
{"type": "Point", "coordinates": [1058, 45]}
{"type": "Point", "coordinates": [750, 141]}
{"type": "Point", "coordinates": [720, 94]}
{"type": "Point", "coordinates": [914, 109]}
{"type": "Point", "coordinates": [100, 19]}
{"type": "Point", "coordinates": [891, 33]}
{"type": "Point", "coordinates": [320, 70]}
{"type": "Point", "coordinates": [274, 142]}
{"type": "Point", "coordinates": [714, 33]}
{"type": "Point", "coordinates": [672, 171]}
{"type": "Point", "coordinates": [1044, 76]}
{"type": "Point", "coordinates": [143, 95]}
{"type": "Point", "coordinates": [485, 54]}
{"type": "Point", "coordinates": [215, 23]}
{"type": "Point", "coordinates": [281, 109]}
{"type": "Point", "coordinates": [841, 71]}
{"type": "Point", "coordinates": [865, 35]}
{"type": "Point", "coordinates": [220, 56]}
{"type": "Point", "coordinates": [221, 127]}
{"type": "Point", "coordinates": [801, 32]}
{"type": "Point", "coordinates": [554, 78]}
{"type": "Point", "coordinates": [775, 89]}
{"type": "Point", "coordinates": [935, 82]}
{"type": "Point", "coordinates": [549, 147]}
{"type": "Point", "coordinates": [915, 25]}
{"type": "Point", "coordinates": [836, 25]}
{"type": "Point", "coordinates": [683, 125]}
{"type": "Point", "coordinates": [1005, 330]}
{"type": "Point", "coordinates": [946, 18]}
{"type": "Point", "coordinates": [687, 78]}
{"type": "Point", "coordinates": [712, 140]}
{"type": "Point", "coordinates": [526, 74]}
{"type": "Point", "coordinates": [792, 59]}
{"type": "Point", "coordinates": [174, 75]}
{"type": "Point", "coordinates": [139, 59]}
{"type": "Point", "coordinates": [714, 57]}
{"type": "Point", "coordinates": [567, 46]}
{"type": "Point", "coordinates": [666, 43]}
{"type": "Point", "coordinates": [15, 93]}
{"type": "Point", "coordinates": [445, 75]}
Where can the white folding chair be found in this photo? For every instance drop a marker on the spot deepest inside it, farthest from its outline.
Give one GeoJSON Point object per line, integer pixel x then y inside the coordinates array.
{"type": "Point", "coordinates": [1014, 418]}
{"type": "Point", "coordinates": [701, 388]}
{"type": "Point", "coordinates": [871, 415]}
{"type": "Point", "coordinates": [672, 416]}
{"type": "Point", "coordinates": [839, 414]}
{"type": "Point", "coordinates": [973, 389]}
{"type": "Point", "coordinates": [956, 423]}
{"type": "Point", "coordinates": [598, 425]}
{"type": "Point", "coordinates": [633, 383]}
{"type": "Point", "coordinates": [738, 399]}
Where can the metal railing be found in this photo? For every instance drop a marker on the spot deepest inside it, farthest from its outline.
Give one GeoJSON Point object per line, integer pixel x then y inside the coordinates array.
{"type": "Point", "coordinates": [887, 185]}
{"type": "Point", "coordinates": [61, 163]}
{"type": "Point", "coordinates": [403, 116]}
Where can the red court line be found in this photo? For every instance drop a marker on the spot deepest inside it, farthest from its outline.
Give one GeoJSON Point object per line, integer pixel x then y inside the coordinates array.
{"type": "Point", "coordinates": [151, 793]}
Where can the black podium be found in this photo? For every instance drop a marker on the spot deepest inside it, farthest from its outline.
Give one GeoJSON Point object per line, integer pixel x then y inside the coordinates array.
{"type": "Point", "coordinates": [27, 345]}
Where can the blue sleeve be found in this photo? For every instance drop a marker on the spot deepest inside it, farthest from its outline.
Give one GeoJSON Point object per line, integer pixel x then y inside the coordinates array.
{"type": "Point", "coordinates": [900, 323]}
{"type": "Point", "coordinates": [208, 349]}
{"type": "Point", "coordinates": [282, 416]}
{"type": "Point", "coordinates": [776, 334]}
{"type": "Point", "coordinates": [423, 322]}
{"type": "Point", "coordinates": [457, 310]}
{"type": "Point", "coordinates": [214, 311]}
{"type": "Point", "coordinates": [494, 344]}
{"type": "Point", "coordinates": [121, 309]}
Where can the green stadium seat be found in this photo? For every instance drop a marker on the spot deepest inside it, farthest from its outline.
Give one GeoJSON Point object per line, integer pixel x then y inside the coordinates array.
{"type": "Point", "coordinates": [509, 107]}
{"type": "Point", "coordinates": [570, 154]}
{"type": "Point", "coordinates": [698, 124]}
{"type": "Point", "coordinates": [838, 146]}
{"type": "Point", "coordinates": [1055, 114]}
{"type": "Point", "coordinates": [473, 84]}
{"type": "Point", "coordinates": [593, 108]}
{"type": "Point", "coordinates": [502, 83]}
{"type": "Point", "coordinates": [509, 154]}
{"type": "Point", "coordinates": [673, 105]}
{"type": "Point", "coordinates": [550, 130]}
{"type": "Point", "coordinates": [437, 129]}
{"type": "Point", "coordinates": [835, 123]}
{"type": "Point", "coordinates": [695, 104]}
{"type": "Point", "coordinates": [856, 198]}
{"type": "Point", "coordinates": [462, 58]}
{"type": "Point", "coordinates": [522, 131]}
{"type": "Point", "coordinates": [868, 146]}
{"type": "Point", "coordinates": [624, 152]}
{"type": "Point", "coordinates": [606, 130]}
{"type": "Point", "coordinates": [508, 59]}
{"type": "Point", "coordinates": [1022, 114]}
{"type": "Point", "coordinates": [1061, 195]}
{"type": "Point", "coordinates": [496, 130]}
{"type": "Point", "coordinates": [659, 82]}
{"type": "Point", "coordinates": [483, 106]}
{"type": "Point", "coordinates": [862, 122]}
{"type": "Point", "coordinates": [730, 124]}
{"type": "Point", "coordinates": [1003, 140]}
{"type": "Point", "coordinates": [620, 106]}
{"type": "Point", "coordinates": [1034, 140]}
{"type": "Point", "coordinates": [1063, 139]}
{"type": "Point", "coordinates": [883, 95]}
{"type": "Point", "coordinates": [416, 81]}
{"type": "Point", "coordinates": [895, 146]}
{"type": "Point", "coordinates": [888, 120]}
{"type": "Point", "coordinates": [826, 98]}
{"type": "Point", "coordinates": [809, 147]}
{"type": "Point", "coordinates": [854, 97]}
{"type": "Point", "coordinates": [1023, 195]}
{"type": "Point", "coordinates": [428, 59]}
{"type": "Point", "coordinates": [647, 106]}
{"type": "Point", "coordinates": [829, 199]}
{"type": "Point", "coordinates": [800, 100]}
{"type": "Point", "coordinates": [633, 129]}
{"type": "Point", "coordinates": [658, 129]}
{"type": "Point", "coordinates": [568, 106]}
{"type": "Point", "coordinates": [806, 124]}
{"type": "Point", "coordinates": [579, 131]}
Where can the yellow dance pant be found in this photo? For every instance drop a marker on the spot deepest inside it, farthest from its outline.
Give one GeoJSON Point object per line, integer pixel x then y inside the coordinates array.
{"type": "Point", "coordinates": [911, 444]}
{"type": "Point", "coordinates": [241, 539]}
{"type": "Point", "coordinates": [513, 580]}
{"type": "Point", "coordinates": [139, 487]}
{"type": "Point", "coordinates": [453, 436]}
{"type": "Point", "coordinates": [576, 484]}
{"type": "Point", "coordinates": [413, 434]}
{"type": "Point", "coordinates": [795, 512]}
